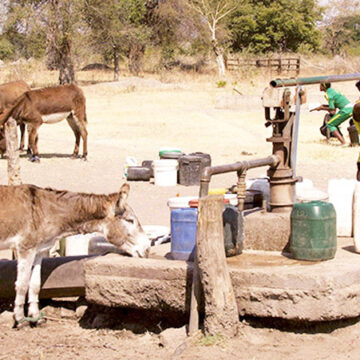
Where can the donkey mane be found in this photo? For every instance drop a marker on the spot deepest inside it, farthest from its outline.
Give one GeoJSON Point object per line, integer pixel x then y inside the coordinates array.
{"type": "Point", "coordinates": [84, 203]}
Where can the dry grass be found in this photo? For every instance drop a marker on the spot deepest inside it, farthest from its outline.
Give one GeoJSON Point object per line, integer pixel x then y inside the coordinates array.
{"type": "Point", "coordinates": [248, 81]}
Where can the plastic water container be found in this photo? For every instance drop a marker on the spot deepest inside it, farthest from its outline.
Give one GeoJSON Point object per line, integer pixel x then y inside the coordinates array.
{"type": "Point", "coordinates": [263, 185]}
{"type": "Point", "coordinates": [233, 231]}
{"type": "Point", "coordinates": [165, 172]}
{"type": "Point", "coordinates": [183, 233]}
{"type": "Point", "coordinates": [98, 245]}
{"type": "Point", "coordinates": [78, 244]}
{"type": "Point", "coordinates": [138, 173]}
{"type": "Point", "coordinates": [341, 192]}
{"type": "Point", "coordinates": [313, 231]}
{"type": "Point", "coordinates": [190, 167]}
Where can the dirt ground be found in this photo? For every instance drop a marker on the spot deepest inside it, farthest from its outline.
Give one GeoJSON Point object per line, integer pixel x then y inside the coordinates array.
{"type": "Point", "coordinates": [136, 117]}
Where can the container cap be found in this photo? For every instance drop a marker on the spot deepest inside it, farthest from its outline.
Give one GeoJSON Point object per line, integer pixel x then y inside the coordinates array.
{"type": "Point", "coordinates": [167, 149]}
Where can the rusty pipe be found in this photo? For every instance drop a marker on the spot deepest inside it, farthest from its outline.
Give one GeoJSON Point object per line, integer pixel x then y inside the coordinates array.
{"type": "Point", "coordinates": [314, 80]}
{"type": "Point", "coordinates": [209, 171]}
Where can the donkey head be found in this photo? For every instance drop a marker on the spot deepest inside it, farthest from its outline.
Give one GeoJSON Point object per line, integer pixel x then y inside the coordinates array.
{"type": "Point", "coordinates": [124, 229]}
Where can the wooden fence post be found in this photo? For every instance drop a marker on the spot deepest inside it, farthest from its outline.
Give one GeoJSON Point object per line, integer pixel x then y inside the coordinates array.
{"type": "Point", "coordinates": [12, 149]}
{"type": "Point", "coordinates": [221, 313]}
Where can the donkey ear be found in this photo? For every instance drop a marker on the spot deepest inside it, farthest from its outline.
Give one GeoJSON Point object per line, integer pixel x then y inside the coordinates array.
{"type": "Point", "coordinates": [124, 190]}
{"type": "Point", "coordinates": [123, 194]}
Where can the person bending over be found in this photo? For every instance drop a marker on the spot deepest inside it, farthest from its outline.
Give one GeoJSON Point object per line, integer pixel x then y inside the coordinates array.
{"type": "Point", "coordinates": [335, 101]}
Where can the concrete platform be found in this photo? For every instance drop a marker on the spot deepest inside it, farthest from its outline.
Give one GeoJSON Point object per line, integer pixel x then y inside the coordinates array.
{"type": "Point", "coordinates": [266, 284]}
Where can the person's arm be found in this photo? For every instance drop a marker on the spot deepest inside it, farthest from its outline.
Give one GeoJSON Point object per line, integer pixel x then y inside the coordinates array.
{"type": "Point", "coordinates": [321, 107]}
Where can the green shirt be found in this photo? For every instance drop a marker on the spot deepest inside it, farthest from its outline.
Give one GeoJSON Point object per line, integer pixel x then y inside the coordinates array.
{"type": "Point", "coordinates": [335, 99]}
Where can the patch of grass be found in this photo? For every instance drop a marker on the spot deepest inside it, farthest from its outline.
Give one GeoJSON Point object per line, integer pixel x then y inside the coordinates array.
{"type": "Point", "coordinates": [211, 340]}
{"type": "Point", "coordinates": [221, 83]}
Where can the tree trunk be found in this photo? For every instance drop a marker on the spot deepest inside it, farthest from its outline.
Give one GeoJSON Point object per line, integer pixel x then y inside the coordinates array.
{"type": "Point", "coordinates": [116, 64]}
{"type": "Point", "coordinates": [136, 55]}
{"type": "Point", "coordinates": [221, 313]}
{"type": "Point", "coordinates": [219, 53]}
{"type": "Point", "coordinates": [66, 67]}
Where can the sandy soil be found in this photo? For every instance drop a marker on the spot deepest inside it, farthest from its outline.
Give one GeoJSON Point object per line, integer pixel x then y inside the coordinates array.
{"type": "Point", "coordinates": [136, 118]}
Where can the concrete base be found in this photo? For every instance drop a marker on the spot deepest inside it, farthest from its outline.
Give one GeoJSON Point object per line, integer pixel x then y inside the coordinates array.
{"type": "Point", "coordinates": [267, 231]}
{"type": "Point", "coordinates": [266, 284]}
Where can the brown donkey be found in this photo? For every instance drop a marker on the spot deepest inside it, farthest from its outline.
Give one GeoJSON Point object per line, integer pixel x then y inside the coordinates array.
{"type": "Point", "coordinates": [33, 218]}
{"type": "Point", "coordinates": [48, 106]}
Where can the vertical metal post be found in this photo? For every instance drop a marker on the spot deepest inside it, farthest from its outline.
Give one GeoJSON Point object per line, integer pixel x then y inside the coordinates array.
{"type": "Point", "coordinates": [295, 133]}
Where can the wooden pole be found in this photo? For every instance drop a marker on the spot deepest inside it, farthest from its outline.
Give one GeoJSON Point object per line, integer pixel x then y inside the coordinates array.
{"type": "Point", "coordinates": [12, 149]}
{"type": "Point", "coordinates": [221, 313]}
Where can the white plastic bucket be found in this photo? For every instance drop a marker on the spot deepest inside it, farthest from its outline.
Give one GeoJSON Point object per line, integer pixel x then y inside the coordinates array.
{"type": "Point", "coordinates": [165, 172]}
{"type": "Point", "coordinates": [341, 192]}
{"type": "Point", "coordinates": [179, 202]}
{"type": "Point", "coordinates": [78, 244]}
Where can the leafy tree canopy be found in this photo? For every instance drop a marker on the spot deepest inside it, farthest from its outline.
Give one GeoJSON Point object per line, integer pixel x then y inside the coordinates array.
{"type": "Point", "coordinates": [275, 25]}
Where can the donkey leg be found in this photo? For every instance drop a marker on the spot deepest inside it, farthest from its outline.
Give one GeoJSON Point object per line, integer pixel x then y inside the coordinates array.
{"type": "Point", "coordinates": [74, 127]}
{"type": "Point", "coordinates": [24, 263]}
{"type": "Point", "coordinates": [84, 135]}
{"type": "Point", "coordinates": [33, 138]}
{"type": "Point", "coordinates": [22, 137]}
{"type": "Point", "coordinates": [34, 290]}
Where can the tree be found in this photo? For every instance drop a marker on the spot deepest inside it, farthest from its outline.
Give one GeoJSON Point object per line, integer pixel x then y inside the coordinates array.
{"type": "Point", "coordinates": [275, 25]}
{"type": "Point", "coordinates": [214, 13]}
{"type": "Point", "coordinates": [341, 30]}
{"type": "Point", "coordinates": [61, 26]}
{"type": "Point", "coordinates": [23, 29]}
{"type": "Point", "coordinates": [118, 27]}
{"type": "Point", "coordinates": [35, 25]}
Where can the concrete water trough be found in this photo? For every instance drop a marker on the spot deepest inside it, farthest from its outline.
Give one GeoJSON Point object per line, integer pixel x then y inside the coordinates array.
{"type": "Point", "coordinates": [266, 283]}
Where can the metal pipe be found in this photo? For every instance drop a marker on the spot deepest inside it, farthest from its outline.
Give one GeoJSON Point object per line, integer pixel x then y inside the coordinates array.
{"type": "Point", "coordinates": [208, 171]}
{"type": "Point", "coordinates": [313, 80]}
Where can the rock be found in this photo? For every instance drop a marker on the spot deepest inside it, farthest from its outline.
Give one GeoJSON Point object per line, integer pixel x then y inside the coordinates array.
{"type": "Point", "coordinates": [172, 337]}
{"type": "Point", "coordinates": [67, 314]}
{"type": "Point", "coordinates": [6, 318]}
{"type": "Point", "coordinates": [80, 311]}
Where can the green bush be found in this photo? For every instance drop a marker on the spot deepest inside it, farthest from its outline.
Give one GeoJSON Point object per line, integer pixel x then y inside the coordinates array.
{"type": "Point", "coordinates": [6, 49]}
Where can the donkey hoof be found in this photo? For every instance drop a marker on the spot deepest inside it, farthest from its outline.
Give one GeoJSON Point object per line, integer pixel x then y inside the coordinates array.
{"type": "Point", "coordinates": [36, 320]}
{"type": "Point", "coordinates": [75, 156]}
{"type": "Point", "coordinates": [84, 158]}
{"type": "Point", "coordinates": [35, 159]}
{"type": "Point", "coordinates": [20, 324]}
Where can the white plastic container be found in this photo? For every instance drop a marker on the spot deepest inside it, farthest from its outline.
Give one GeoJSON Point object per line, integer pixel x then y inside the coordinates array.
{"type": "Point", "coordinates": [310, 194]}
{"type": "Point", "coordinates": [304, 185]}
{"type": "Point", "coordinates": [165, 172]}
{"type": "Point", "coordinates": [305, 192]}
{"type": "Point", "coordinates": [179, 202]}
{"type": "Point", "coordinates": [356, 217]}
{"type": "Point", "coordinates": [341, 193]}
{"type": "Point", "coordinates": [78, 244]}
{"type": "Point", "coordinates": [232, 199]}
